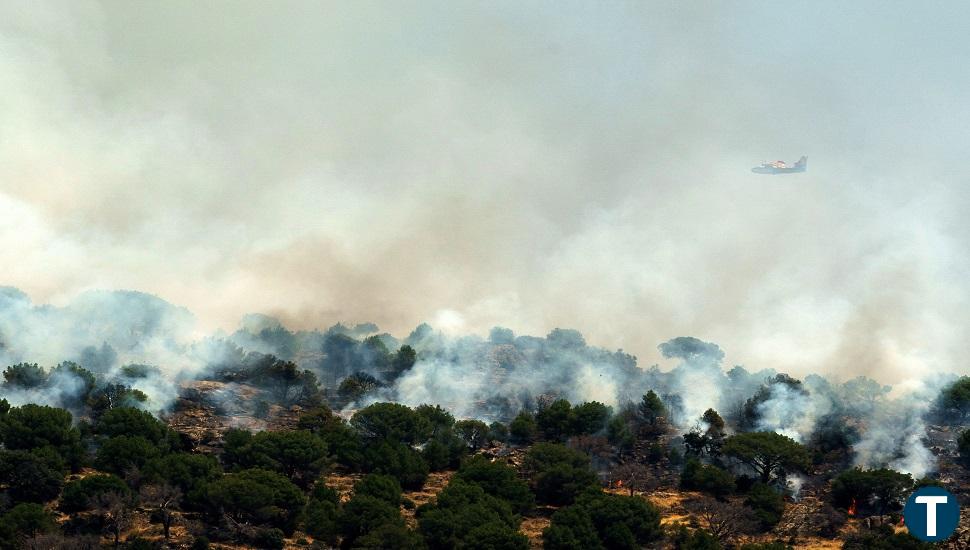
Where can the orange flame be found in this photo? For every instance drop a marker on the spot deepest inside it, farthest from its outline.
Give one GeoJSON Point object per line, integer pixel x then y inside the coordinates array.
{"type": "Point", "coordinates": [619, 483]}
{"type": "Point", "coordinates": [852, 508]}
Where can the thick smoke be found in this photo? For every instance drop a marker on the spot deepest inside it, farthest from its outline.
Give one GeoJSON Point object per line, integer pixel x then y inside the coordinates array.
{"type": "Point", "coordinates": [531, 164]}
{"type": "Point", "coordinates": [134, 340]}
{"type": "Point", "coordinates": [897, 430]}
{"type": "Point", "coordinates": [697, 380]}
{"type": "Point", "coordinates": [105, 332]}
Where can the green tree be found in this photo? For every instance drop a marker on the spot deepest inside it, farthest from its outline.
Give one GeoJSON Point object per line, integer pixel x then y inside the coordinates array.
{"type": "Point", "coordinates": [589, 418]}
{"type": "Point", "coordinates": [403, 360]}
{"type": "Point", "coordinates": [24, 376]}
{"type": "Point", "coordinates": [120, 454]}
{"type": "Point", "coordinates": [258, 496]}
{"type": "Point", "coordinates": [35, 426]}
{"type": "Point", "coordinates": [397, 460]}
{"type": "Point", "coordinates": [31, 476]}
{"type": "Point", "coordinates": [558, 474]}
{"type": "Point", "coordinates": [444, 451]}
{"type": "Point", "coordinates": [79, 494]}
{"type": "Point", "coordinates": [571, 529]}
{"type": "Point", "coordinates": [554, 420]}
{"type": "Point", "coordinates": [299, 455]}
{"type": "Point", "coordinates": [440, 419]}
{"type": "Point", "coordinates": [698, 539]}
{"type": "Point", "coordinates": [883, 490]}
{"type": "Point", "coordinates": [652, 415]}
{"type": "Point", "coordinates": [498, 432]}
{"type": "Point", "coordinates": [323, 513]}
{"type": "Point", "coordinates": [473, 432]}
{"type": "Point", "coordinates": [26, 520]}
{"type": "Point", "coordinates": [495, 536]}
{"type": "Point", "coordinates": [768, 453]}
{"type": "Point", "coordinates": [363, 515]}
{"type": "Point", "coordinates": [110, 396]}
{"type": "Point", "coordinates": [189, 472]}
{"type": "Point", "coordinates": [131, 422]}
{"type": "Point", "coordinates": [707, 478]}
{"type": "Point", "coordinates": [884, 538]}
{"type": "Point", "coordinates": [955, 398]}
{"type": "Point", "coordinates": [461, 509]}
{"type": "Point", "coordinates": [391, 421]}
{"type": "Point", "coordinates": [342, 440]}
{"type": "Point", "coordinates": [619, 522]}
{"type": "Point", "coordinates": [357, 385]}
{"type": "Point", "coordinates": [523, 428]}
{"type": "Point", "coordinates": [619, 434]}
{"type": "Point", "coordinates": [767, 504]}
{"type": "Point", "coordinates": [393, 535]}
{"type": "Point", "coordinates": [499, 480]}
{"type": "Point", "coordinates": [379, 486]}
{"type": "Point", "coordinates": [82, 379]}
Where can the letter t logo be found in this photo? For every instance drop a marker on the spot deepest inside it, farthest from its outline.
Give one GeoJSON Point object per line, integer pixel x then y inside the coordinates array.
{"type": "Point", "coordinates": [930, 502]}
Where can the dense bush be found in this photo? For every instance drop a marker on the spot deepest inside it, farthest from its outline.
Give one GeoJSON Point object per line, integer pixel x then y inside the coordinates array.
{"type": "Point", "coordinates": [323, 513]}
{"type": "Point", "coordinates": [379, 486]}
{"type": "Point", "coordinates": [342, 441]}
{"type": "Point", "coordinates": [391, 421]}
{"type": "Point", "coordinates": [444, 451]}
{"type": "Point", "coordinates": [523, 429]}
{"type": "Point", "coordinates": [768, 505]}
{"type": "Point", "coordinates": [560, 420]}
{"type": "Point", "coordinates": [881, 490]}
{"type": "Point", "coordinates": [364, 514]}
{"type": "Point", "coordinates": [188, 472]}
{"type": "Point", "coordinates": [473, 432]}
{"type": "Point", "coordinates": [24, 520]}
{"type": "Point", "coordinates": [130, 422]}
{"type": "Point", "coordinates": [768, 453]}
{"type": "Point", "coordinates": [463, 509]}
{"type": "Point", "coordinates": [706, 478]}
{"type": "Point", "coordinates": [33, 427]}
{"type": "Point", "coordinates": [299, 455]}
{"type": "Point", "coordinates": [558, 474]}
{"type": "Point", "coordinates": [883, 538]}
{"type": "Point", "coordinates": [955, 398]}
{"type": "Point", "coordinates": [122, 453]}
{"type": "Point", "coordinates": [257, 496]}
{"type": "Point", "coordinates": [34, 476]}
{"type": "Point", "coordinates": [79, 494]}
{"type": "Point", "coordinates": [601, 520]}
{"type": "Point", "coordinates": [398, 460]}
{"type": "Point", "coordinates": [498, 480]}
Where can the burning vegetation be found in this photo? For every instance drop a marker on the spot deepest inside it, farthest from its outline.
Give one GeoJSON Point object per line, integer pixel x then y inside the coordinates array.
{"type": "Point", "coordinates": [353, 438]}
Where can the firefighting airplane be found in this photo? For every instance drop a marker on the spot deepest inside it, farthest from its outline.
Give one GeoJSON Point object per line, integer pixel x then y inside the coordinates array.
{"type": "Point", "coordinates": [779, 167]}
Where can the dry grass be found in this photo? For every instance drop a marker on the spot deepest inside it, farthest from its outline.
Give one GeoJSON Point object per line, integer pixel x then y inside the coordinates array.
{"type": "Point", "coordinates": [532, 527]}
{"type": "Point", "coordinates": [435, 484]}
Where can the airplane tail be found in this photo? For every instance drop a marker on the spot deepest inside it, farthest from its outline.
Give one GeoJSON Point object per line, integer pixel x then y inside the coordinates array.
{"type": "Point", "coordinates": [802, 163]}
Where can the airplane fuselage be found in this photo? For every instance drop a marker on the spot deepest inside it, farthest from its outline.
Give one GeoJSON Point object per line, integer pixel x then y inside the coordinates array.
{"type": "Point", "coordinates": [773, 170]}
{"type": "Point", "coordinates": [779, 167]}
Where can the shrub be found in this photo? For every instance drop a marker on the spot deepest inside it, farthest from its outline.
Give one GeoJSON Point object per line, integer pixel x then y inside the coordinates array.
{"type": "Point", "coordinates": [600, 520]}
{"type": "Point", "coordinates": [706, 478]}
{"type": "Point", "coordinates": [258, 496]}
{"type": "Point", "coordinates": [767, 504]}
{"type": "Point", "coordinates": [498, 480]}
{"type": "Point", "coordinates": [559, 474]}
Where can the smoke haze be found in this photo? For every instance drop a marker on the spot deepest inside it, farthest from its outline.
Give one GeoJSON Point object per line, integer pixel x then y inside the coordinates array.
{"type": "Point", "coordinates": [539, 166]}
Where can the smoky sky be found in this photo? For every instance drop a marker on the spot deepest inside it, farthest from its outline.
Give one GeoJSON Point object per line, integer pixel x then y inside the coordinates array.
{"type": "Point", "coordinates": [559, 164]}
